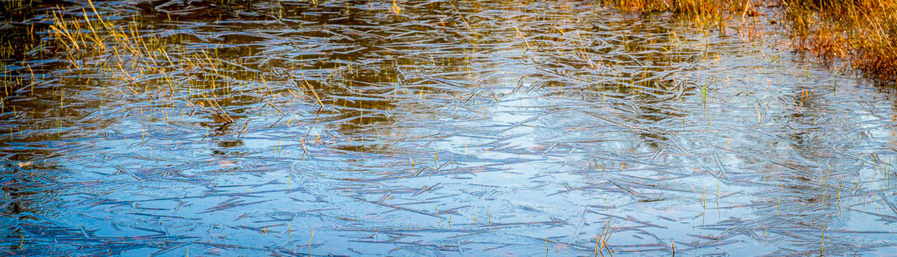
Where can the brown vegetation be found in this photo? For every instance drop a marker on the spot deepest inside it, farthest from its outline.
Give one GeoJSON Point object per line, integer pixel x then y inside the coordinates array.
{"type": "Point", "coordinates": [860, 33]}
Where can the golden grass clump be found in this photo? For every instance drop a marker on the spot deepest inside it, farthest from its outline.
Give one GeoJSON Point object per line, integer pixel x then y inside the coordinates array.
{"type": "Point", "coordinates": [707, 12]}
{"type": "Point", "coordinates": [862, 33]}
{"type": "Point", "coordinates": [695, 7]}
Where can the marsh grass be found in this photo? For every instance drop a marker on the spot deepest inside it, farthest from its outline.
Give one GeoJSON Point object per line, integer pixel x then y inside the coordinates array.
{"type": "Point", "coordinates": [708, 13]}
{"type": "Point", "coordinates": [692, 7]}
{"type": "Point", "coordinates": [149, 65]}
{"type": "Point", "coordinates": [859, 33]}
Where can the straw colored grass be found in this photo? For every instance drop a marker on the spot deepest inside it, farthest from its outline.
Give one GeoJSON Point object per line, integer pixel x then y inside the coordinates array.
{"type": "Point", "coordinates": [859, 33]}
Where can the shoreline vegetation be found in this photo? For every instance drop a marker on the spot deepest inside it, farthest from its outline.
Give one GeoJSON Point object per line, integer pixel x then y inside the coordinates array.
{"type": "Point", "coordinates": [862, 34]}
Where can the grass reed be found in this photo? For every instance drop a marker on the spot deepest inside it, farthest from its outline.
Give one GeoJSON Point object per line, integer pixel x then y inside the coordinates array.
{"type": "Point", "coordinates": [862, 34]}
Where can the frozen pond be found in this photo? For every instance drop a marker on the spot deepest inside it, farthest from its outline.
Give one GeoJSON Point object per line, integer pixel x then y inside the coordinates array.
{"type": "Point", "coordinates": [433, 128]}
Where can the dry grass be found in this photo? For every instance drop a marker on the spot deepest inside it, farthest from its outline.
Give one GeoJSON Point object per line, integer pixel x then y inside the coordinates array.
{"type": "Point", "coordinates": [860, 33]}
{"type": "Point", "coordinates": [694, 7]}
{"type": "Point", "coordinates": [706, 12]}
